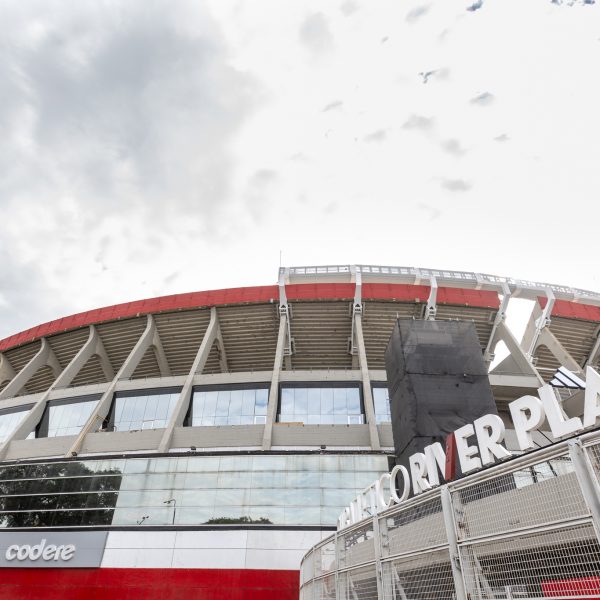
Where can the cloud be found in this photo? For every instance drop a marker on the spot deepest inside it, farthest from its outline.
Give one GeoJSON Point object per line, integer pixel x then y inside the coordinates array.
{"type": "Point", "coordinates": [455, 185]}
{"type": "Point", "coordinates": [256, 195]}
{"type": "Point", "coordinates": [419, 122]}
{"type": "Point", "coordinates": [483, 99]}
{"type": "Point", "coordinates": [315, 34]}
{"type": "Point", "coordinates": [376, 136]}
{"type": "Point", "coordinates": [503, 137]}
{"type": "Point", "coordinates": [433, 212]}
{"type": "Point", "coordinates": [453, 146]}
{"type": "Point", "coordinates": [333, 105]}
{"type": "Point", "coordinates": [113, 119]}
{"type": "Point", "coordinates": [348, 8]}
{"type": "Point", "coordinates": [416, 13]}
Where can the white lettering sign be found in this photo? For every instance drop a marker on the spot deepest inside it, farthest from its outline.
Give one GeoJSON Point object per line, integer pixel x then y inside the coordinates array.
{"type": "Point", "coordinates": [49, 552]}
{"type": "Point", "coordinates": [528, 414]}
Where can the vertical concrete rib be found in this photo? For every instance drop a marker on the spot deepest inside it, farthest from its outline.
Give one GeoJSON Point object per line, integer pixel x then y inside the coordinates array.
{"type": "Point", "coordinates": [127, 368]}
{"type": "Point", "coordinates": [92, 346]}
{"type": "Point", "coordinates": [274, 389]}
{"type": "Point", "coordinates": [6, 370]}
{"type": "Point", "coordinates": [212, 333]}
{"type": "Point", "coordinates": [366, 383]}
{"type": "Point", "coordinates": [44, 357]}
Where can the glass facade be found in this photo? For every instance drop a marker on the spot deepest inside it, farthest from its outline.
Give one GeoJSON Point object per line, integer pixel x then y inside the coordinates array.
{"type": "Point", "coordinates": [309, 489]}
{"type": "Point", "coordinates": [67, 418]}
{"type": "Point", "coordinates": [150, 409]}
{"type": "Point", "coordinates": [321, 405]}
{"type": "Point", "coordinates": [229, 406]}
{"type": "Point", "coordinates": [381, 399]}
{"type": "Point", "coordinates": [9, 419]}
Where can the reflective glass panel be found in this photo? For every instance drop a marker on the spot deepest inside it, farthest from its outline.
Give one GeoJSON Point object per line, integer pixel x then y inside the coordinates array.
{"type": "Point", "coordinates": [229, 407]}
{"type": "Point", "coordinates": [381, 400]}
{"type": "Point", "coordinates": [9, 422]}
{"type": "Point", "coordinates": [151, 411]}
{"type": "Point", "coordinates": [68, 419]}
{"type": "Point", "coordinates": [321, 405]}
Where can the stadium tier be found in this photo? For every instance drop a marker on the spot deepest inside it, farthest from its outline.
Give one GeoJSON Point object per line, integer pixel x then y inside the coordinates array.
{"type": "Point", "coordinates": [202, 442]}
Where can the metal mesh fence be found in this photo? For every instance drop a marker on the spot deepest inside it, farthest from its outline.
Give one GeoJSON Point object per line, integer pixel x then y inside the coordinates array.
{"type": "Point", "coordinates": [533, 566]}
{"type": "Point", "coordinates": [356, 546]}
{"type": "Point", "coordinates": [358, 584]}
{"type": "Point", "coordinates": [526, 529]}
{"type": "Point", "coordinates": [325, 558]}
{"type": "Point", "coordinates": [421, 577]}
{"type": "Point", "coordinates": [420, 526]}
{"type": "Point", "coordinates": [533, 495]}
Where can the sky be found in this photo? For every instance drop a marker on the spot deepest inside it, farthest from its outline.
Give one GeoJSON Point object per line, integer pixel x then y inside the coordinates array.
{"type": "Point", "coordinates": [151, 147]}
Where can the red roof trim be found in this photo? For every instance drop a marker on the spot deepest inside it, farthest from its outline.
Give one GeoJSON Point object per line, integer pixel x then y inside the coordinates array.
{"type": "Point", "coordinates": [258, 294]}
{"type": "Point", "coordinates": [572, 310]}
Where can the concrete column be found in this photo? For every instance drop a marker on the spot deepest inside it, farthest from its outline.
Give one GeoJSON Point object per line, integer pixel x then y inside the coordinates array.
{"type": "Point", "coordinates": [92, 346]}
{"type": "Point", "coordinates": [127, 368]}
{"type": "Point", "coordinates": [44, 357]}
{"type": "Point", "coordinates": [6, 370]}
{"type": "Point", "coordinates": [517, 354]}
{"type": "Point", "coordinates": [274, 389]}
{"type": "Point", "coordinates": [161, 357]}
{"type": "Point", "coordinates": [366, 382]}
{"type": "Point", "coordinates": [548, 339]}
{"type": "Point", "coordinates": [183, 402]}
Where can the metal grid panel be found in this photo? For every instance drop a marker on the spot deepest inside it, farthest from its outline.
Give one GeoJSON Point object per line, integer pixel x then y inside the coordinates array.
{"type": "Point", "coordinates": [358, 584]}
{"type": "Point", "coordinates": [423, 577]}
{"type": "Point", "coordinates": [594, 454]}
{"type": "Point", "coordinates": [325, 558]}
{"type": "Point", "coordinates": [563, 563]}
{"type": "Point", "coordinates": [306, 591]}
{"type": "Point", "coordinates": [356, 546]}
{"type": "Point", "coordinates": [324, 588]}
{"type": "Point", "coordinates": [307, 570]}
{"type": "Point", "coordinates": [414, 528]}
{"type": "Point", "coordinates": [534, 495]}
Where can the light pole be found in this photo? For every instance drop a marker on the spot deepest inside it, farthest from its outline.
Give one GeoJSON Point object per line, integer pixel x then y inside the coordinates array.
{"type": "Point", "coordinates": [174, 502]}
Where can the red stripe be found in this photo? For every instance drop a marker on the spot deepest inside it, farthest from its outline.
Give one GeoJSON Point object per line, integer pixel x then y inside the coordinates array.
{"type": "Point", "coordinates": [259, 294]}
{"type": "Point", "coordinates": [148, 584]}
{"type": "Point", "coordinates": [573, 310]}
{"type": "Point", "coordinates": [572, 588]}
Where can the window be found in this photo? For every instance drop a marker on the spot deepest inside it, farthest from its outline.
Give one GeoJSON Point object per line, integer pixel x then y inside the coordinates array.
{"type": "Point", "coordinates": [67, 417]}
{"type": "Point", "coordinates": [147, 409]}
{"type": "Point", "coordinates": [381, 399]}
{"type": "Point", "coordinates": [230, 405]}
{"type": "Point", "coordinates": [10, 419]}
{"type": "Point", "coordinates": [321, 405]}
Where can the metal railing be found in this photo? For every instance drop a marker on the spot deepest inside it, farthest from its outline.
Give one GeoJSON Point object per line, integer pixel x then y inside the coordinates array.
{"type": "Point", "coordinates": [467, 279]}
{"type": "Point", "coordinates": [528, 528]}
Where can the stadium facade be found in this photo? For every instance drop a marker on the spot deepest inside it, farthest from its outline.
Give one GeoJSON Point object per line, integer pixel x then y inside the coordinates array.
{"type": "Point", "coordinates": [201, 443]}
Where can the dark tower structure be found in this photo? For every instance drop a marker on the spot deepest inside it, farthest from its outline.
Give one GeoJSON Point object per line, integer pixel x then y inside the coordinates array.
{"type": "Point", "coordinates": [437, 382]}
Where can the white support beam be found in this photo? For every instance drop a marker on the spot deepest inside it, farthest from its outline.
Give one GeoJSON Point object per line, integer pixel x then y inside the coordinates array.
{"type": "Point", "coordinates": [594, 353]}
{"type": "Point", "coordinates": [488, 355]}
{"type": "Point", "coordinates": [183, 402]}
{"type": "Point", "coordinates": [548, 339]}
{"type": "Point", "coordinates": [6, 370]}
{"type": "Point", "coordinates": [274, 389]}
{"type": "Point", "coordinates": [366, 383]}
{"type": "Point", "coordinates": [284, 308]}
{"type": "Point", "coordinates": [161, 357]}
{"type": "Point", "coordinates": [431, 308]}
{"type": "Point", "coordinates": [44, 357]}
{"type": "Point", "coordinates": [541, 323]}
{"type": "Point", "coordinates": [92, 346]}
{"type": "Point", "coordinates": [517, 358]}
{"type": "Point", "coordinates": [222, 353]}
{"type": "Point", "coordinates": [127, 368]}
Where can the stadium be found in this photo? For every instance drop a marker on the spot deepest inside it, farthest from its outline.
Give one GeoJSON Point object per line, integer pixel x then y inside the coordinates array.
{"type": "Point", "coordinates": [201, 443]}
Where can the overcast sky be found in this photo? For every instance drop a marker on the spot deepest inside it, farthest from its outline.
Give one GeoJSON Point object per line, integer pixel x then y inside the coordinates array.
{"type": "Point", "coordinates": [154, 147]}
